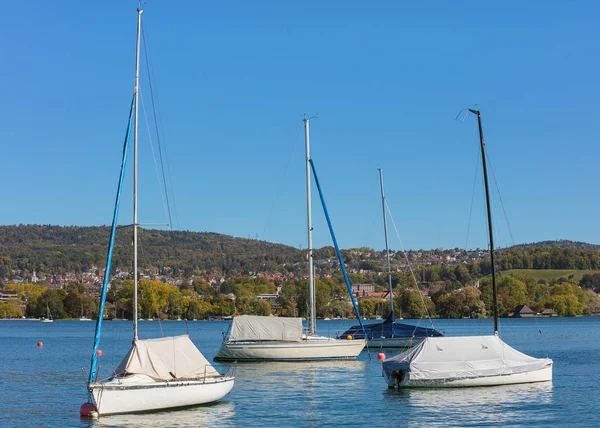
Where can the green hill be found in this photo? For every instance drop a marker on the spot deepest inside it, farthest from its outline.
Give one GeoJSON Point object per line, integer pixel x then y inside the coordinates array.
{"type": "Point", "coordinates": [552, 274]}
{"type": "Point", "coordinates": [58, 249]}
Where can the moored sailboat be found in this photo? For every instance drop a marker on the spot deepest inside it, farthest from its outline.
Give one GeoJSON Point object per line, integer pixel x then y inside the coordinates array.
{"type": "Point", "coordinates": [164, 373]}
{"type": "Point", "coordinates": [258, 338]}
{"type": "Point", "coordinates": [469, 360]}
{"type": "Point", "coordinates": [48, 317]}
{"type": "Point", "coordinates": [389, 333]}
{"type": "Point", "coordinates": [83, 317]}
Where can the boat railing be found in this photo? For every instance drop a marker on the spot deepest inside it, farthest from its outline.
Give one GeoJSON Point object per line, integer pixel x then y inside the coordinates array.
{"type": "Point", "coordinates": [229, 369]}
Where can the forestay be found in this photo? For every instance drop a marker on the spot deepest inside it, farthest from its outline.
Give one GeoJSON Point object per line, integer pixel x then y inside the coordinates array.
{"type": "Point", "coordinates": [167, 358]}
{"type": "Point", "coordinates": [251, 328]}
{"type": "Point", "coordinates": [446, 358]}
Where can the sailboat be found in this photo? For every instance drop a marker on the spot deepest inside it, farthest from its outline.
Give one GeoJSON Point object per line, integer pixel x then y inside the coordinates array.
{"type": "Point", "coordinates": [259, 338]}
{"type": "Point", "coordinates": [389, 333]}
{"type": "Point", "coordinates": [48, 317]}
{"type": "Point", "coordinates": [156, 374]}
{"type": "Point", "coordinates": [468, 360]}
{"type": "Point", "coordinates": [83, 317]}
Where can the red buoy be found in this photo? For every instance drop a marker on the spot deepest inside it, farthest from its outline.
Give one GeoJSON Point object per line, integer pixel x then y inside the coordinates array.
{"type": "Point", "coordinates": [381, 356]}
{"type": "Point", "coordinates": [40, 344]}
{"type": "Point", "coordinates": [99, 352]}
{"type": "Point", "coordinates": [87, 410]}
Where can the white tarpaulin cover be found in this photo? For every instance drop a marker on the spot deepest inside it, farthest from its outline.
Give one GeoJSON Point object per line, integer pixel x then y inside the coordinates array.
{"type": "Point", "coordinates": [249, 327]}
{"type": "Point", "coordinates": [167, 358]}
{"type": "Point", "coordinates": [464, 357]}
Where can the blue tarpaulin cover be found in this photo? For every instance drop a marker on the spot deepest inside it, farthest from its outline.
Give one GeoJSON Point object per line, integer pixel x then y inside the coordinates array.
{"type": "Point", "coordinates": [389, 329]}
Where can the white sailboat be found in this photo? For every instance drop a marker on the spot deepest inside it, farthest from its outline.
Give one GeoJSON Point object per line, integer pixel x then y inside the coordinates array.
{"type": "Point", "coordinates": [48, 317]}
{"type": "Point", "coordinates": [258, 338]}
{"type": "Point", "coordinates": [470, 360]}
{"type": "Point", "coordinates": [164, 373]}
{"type": "Point", "coordinates": [83, 317]}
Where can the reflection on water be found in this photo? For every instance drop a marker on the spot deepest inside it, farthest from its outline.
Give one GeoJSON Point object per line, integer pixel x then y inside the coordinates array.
{"type": "Point", "coordinates": [498, 405]}
{"type": "Point", "coordinates": [211, 415]}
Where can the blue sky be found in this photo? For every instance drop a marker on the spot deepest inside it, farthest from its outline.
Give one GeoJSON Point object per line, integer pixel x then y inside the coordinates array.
{"type": "Point", "coordinates": [234, 78]}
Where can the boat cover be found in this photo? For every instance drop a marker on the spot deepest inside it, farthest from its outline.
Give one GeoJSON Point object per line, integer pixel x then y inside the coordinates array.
{"type": "Point", "coordinates": [389, 329]}
{"type": "Point", "coordinates": [166, 358]}
{"type": "Point", "coordinates": [250, 327]}
{"type": "Point", "coordinates": [437, 358]}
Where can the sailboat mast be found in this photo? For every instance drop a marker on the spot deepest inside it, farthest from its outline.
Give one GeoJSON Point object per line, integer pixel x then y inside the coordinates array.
{"type": "Point", "coordinates": [387, 247]}
{"type": "Point", "coordinates": [135, 178]}
{"type": "Point", "coordinates": [311, 279]}
{"type": "Point", "coordinates": [489, 217]}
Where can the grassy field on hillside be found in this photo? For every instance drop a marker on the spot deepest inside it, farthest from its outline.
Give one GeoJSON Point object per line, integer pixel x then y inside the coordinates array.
{"type": "Point", "coordinates": [549, 274]}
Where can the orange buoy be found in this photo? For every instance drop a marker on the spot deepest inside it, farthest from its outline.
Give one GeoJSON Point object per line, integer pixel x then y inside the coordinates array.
{"type": "Point", "coordinates": [381, 356]}
{"type": "Point", "coordinates": [40, 344]}
{"type": "Point", "coordinates": [88, 410]}
{"type": "Point", "coordinates": [99, 352]}
{"type": "Point", "coordinates": [349, 337]}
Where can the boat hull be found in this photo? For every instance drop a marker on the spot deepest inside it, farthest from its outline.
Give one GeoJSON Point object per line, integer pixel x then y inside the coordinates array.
{"type": "Point", "coordinates": [541, 375]}
{"type": "Point", "coordinates": [394, 342]}
{"type": "Point", "coordinates": [305, 350]}
{"type": "Point", "coordinates": [144, 394]}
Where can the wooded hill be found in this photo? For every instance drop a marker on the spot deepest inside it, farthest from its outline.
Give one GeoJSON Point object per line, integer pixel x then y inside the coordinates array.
{"type": "Point", "coordinates": [57, 249]}
{"type": "Point", "coordinates": [60, 249]}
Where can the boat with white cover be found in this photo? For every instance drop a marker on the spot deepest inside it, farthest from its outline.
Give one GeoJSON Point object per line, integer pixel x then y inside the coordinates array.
{"type": "Point", "coordinates": [470, 360]}
{"type": "Point", "coordinates": [260, 338]}
{"type": "Point", "coordinates": [156, 374]}
{"type": "Point", "coordinates": [257, 338]}
{"type": "Point", "coordinates": [162, 373]}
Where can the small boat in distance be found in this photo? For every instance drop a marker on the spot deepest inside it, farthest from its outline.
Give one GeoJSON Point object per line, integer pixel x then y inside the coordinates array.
{"type": "Point", "coordinates": [156, 374]}
{"type": "Point", "coordinates": [48, 317]}
{"type": "Point", "coordinates": [83, 317]}
{"type": "Point", "coordinates": [445, 362]}
{"type": "Point", "coordinates": [263, 338]}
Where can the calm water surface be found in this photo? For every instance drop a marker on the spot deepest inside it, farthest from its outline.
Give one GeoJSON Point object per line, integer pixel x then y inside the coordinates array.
{"type": "Point", "coordinates": [45, 386]}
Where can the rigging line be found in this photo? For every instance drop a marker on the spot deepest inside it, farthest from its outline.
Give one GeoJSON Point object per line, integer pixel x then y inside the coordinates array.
{"type": "Point", "coordinates": [160, 187]}
{"type": "Point", "coordinates": [279, 184]}
{"type": "Point", "coordinates": [156, 125]}
{"type": "Point", "coordinates": [472, 199]}
{"type": "Point", "coordinates": [489, 161]}
{"type": "Point", "coordinates": [409, 265]}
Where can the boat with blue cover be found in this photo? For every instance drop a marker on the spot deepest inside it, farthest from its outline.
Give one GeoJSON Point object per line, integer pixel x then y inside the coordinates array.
{"type": "Point", "coordinates": [389, 333]}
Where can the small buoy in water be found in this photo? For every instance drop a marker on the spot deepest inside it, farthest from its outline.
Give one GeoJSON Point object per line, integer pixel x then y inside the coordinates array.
{"type": "Point", "coordinates": [381, 356]}
{"type": "Point", "coordinates": [88, 410]}
{"type": "Point", "coordinates": [40, 344]}
{"type": "Point", "coordinates": [349, 337]}
{"type": "Point", "coordinates": [99, 352]}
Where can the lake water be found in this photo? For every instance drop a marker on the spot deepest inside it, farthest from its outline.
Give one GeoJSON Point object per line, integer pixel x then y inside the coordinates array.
{"type": "Point", "coordinates": [45, 386]}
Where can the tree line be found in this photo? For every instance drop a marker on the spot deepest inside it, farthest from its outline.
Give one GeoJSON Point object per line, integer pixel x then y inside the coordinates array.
{"type": "Point", "coordinates": [239, 295]}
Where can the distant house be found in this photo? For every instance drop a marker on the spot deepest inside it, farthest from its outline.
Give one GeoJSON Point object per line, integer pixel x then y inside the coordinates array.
{"type": "Point", "coordinates": [548, 313]}
{"type": "Point", "coordinates": [522, 311]}
{"type": "Point", "coordinates": [362, 289]}
{"type": "Point", "coordinates": [8, 295]}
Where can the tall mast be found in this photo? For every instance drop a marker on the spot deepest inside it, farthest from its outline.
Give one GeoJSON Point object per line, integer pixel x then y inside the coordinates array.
{"type": "Point", "coordinates": [387, 248]}
{"type": "Point", "coordinates": [135, 178]}
{"type": "Point", "coordinates": [489, 217]}
{"type": "Point", "coordinates": [311, 279]}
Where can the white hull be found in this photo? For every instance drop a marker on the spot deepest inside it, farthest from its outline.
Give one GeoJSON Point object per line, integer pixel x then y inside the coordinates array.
{"type": "Point", "coordinates": [139, 393]}
{"type": "Point", "coordinates": [312, 349]}
{"type": "Point", "coordinates": [542, 375]}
